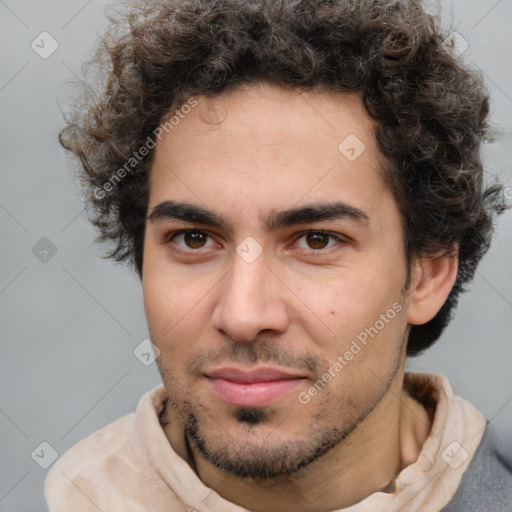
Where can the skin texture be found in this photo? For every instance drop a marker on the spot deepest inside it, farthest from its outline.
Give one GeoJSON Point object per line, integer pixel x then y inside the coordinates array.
{"type": "Point", "coordinates": [300, 304]}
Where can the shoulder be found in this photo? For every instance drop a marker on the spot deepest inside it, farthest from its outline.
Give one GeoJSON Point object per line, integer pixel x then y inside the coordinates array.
{"type": "Point", "coordinates": [114, 468]}
{"type": "Point", "coordinates": [487, 483]}
{"type": "Point", "coordinates": [79, 474]}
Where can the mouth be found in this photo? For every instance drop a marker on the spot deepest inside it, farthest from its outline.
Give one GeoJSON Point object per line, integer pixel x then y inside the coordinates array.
{"type": "Point", "coordinates": [259, 387]}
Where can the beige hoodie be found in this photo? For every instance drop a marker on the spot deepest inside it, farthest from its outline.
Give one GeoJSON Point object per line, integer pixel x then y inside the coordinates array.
{"type": "Point", "coordinates": [130, 466]}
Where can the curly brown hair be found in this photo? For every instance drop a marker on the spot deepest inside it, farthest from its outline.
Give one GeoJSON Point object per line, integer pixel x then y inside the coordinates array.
{"type": "Point", "coordinates": [430, 109]}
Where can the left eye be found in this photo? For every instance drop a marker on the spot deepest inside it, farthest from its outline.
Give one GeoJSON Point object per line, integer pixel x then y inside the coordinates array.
{"type": "Point", "coordinates": [192, 240]}
{"type": "Point", "coordinates": [317, 240]}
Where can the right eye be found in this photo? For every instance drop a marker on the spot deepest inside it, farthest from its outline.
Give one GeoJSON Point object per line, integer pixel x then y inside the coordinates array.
{"type": "Point", "coordinates": [191, 240]}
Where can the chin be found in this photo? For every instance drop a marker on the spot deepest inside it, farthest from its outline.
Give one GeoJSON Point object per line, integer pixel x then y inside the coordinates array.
{"type": "Point", "coordinates": [259, 451]}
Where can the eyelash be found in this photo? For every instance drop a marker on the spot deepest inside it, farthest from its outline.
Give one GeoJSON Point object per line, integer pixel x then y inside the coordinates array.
{"type": "Point", "coordinates": [339, 239]}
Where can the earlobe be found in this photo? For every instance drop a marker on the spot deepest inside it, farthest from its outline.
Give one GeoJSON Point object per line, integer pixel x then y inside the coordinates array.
{"type": "Point", "coordinates": [431, 282]}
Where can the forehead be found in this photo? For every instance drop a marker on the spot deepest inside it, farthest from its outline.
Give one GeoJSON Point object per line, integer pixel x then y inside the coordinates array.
{"type": "Point", "coordinates": [264, 143]}
{"type": "Point", "coordinates": [273, 114]}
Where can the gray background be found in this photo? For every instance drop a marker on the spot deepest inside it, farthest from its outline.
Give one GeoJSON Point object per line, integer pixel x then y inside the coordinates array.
{"type": "Point", "coordinates": [69, 325]}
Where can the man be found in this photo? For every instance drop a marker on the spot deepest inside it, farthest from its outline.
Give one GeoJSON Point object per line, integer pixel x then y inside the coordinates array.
{"type": "Point", "coordinates": [299, 186]}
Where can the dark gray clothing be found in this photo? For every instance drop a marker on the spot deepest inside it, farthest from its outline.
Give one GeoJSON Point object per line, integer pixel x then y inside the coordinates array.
{"type": "Point", "coordinates": [486, 485]}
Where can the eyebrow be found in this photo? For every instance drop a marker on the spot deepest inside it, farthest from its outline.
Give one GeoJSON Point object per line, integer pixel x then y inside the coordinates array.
{"type": "Point", "coordinates": [315, 212]}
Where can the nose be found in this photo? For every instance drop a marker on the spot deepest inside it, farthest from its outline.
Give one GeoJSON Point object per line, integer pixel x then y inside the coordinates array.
{"type": "Point", "coordinates": [251, 302]}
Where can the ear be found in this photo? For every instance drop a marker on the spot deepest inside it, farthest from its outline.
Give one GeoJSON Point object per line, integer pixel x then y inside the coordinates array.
{"type": "Point", "coordinates": [432, 279]}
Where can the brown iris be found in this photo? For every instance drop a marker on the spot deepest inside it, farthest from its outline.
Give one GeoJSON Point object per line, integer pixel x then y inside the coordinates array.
{"type": "Point", "coordinates": [195, 239]}
{"type": "Point", "coordinates": [317, 240]}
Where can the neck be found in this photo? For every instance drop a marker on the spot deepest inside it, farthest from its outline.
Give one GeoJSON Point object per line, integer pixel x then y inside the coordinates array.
{"type": "Point", "coordinates": [367, 461]}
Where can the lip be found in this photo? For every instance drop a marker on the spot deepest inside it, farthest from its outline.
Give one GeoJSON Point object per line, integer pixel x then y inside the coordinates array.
{"type": "Point", "coordinates": [259, 387]}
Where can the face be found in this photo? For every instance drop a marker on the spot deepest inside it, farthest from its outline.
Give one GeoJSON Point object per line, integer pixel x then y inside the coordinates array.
{"type": "Point", "coordinates": [273, 275]}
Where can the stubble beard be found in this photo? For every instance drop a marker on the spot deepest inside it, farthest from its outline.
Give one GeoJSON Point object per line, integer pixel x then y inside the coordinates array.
{"type": "Point", "coordinates": [256, 457]}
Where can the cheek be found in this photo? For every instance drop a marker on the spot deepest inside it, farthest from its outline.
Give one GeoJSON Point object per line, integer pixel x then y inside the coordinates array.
{"type": "Point", "coordinates": [347, 305]}
{"type": "Point", "coordinates": [175, 323]}
{"type": "Point", "coordinates": [171, 305]}
{"type": "Point", "coordinates": [170, 294]}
